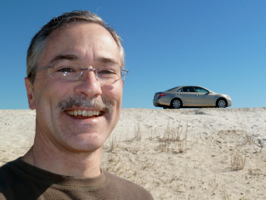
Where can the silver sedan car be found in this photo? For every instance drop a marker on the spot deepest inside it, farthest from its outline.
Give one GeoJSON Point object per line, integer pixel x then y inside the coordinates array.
{"type": "Point", "coordinates": [190, 96]}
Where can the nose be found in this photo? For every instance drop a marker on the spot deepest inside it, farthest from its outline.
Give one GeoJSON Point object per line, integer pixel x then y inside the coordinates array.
{"type": "Point", "coordinates": [88, 84]}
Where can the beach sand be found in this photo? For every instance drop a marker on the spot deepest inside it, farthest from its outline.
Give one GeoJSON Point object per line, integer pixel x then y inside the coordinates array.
{"type": "Point", "coordinates": [205, 153]}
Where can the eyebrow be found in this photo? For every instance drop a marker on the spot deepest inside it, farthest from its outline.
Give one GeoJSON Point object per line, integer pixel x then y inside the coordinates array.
{"type": "Point", "coordinates": [104, 60]}
{"type": "Point", "coordinates": [64, 57]}
{"type": "Point", "coordinates": [107, 61]}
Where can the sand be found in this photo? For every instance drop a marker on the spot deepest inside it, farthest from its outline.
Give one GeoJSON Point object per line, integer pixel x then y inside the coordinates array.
{"type": "Point", "coordinates": [175, 154]}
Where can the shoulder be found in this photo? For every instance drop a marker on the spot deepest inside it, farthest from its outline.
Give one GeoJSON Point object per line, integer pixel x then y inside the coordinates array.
{"type": "Point", "coordinates": [5, 171]}
{"type": "Point", "coordinates": [8, 170]}
{"type": "Point", "coordinates": [130, 189]}
{"type": "Point", "coordinates": [6, 174]}
{"type": "Point", "coordinates": [11, 179]}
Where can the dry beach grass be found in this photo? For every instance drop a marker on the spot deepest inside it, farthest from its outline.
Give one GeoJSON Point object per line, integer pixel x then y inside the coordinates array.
{"type": "Point", "coordinates": [175, 154]}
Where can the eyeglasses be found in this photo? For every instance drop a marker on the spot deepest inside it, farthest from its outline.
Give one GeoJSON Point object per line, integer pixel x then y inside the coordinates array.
{"type": "Point", "coordinates": [73, 72]}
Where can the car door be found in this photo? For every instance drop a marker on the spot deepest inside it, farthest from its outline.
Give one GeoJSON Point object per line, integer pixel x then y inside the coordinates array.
{"type": "Point", "coordinates": [188, 96]}
{"type": "Point", "coordinates": [204, 97]}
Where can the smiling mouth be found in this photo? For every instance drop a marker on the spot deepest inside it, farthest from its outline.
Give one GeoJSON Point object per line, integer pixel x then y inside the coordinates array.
{"type": "Point", "coordinates": [84, 113]}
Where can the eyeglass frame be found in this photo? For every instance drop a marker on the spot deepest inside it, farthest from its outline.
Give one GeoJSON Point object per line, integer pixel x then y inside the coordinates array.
{"type": "Point", "coordinates": [81, 72]}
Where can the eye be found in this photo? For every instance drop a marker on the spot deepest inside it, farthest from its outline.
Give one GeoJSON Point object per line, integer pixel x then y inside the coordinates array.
{"type": "Point", "coordinates": [65, 69]}
{"type": "Point", "coordinates": [106, 71]}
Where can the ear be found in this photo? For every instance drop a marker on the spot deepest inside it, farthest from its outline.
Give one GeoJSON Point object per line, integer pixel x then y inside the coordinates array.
{"type": "Point", "coordinates": [30, 93]}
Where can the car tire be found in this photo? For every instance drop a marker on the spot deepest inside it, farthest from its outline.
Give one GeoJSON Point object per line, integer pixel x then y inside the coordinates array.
{"type": "Point", "coordinates": [221, 103]}
{"type": "Point", "coordinates": [176, 103]}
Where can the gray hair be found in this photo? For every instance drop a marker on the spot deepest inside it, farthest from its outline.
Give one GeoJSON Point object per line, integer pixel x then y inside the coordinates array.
{"type": "Point", "coordinates": [37, 44]}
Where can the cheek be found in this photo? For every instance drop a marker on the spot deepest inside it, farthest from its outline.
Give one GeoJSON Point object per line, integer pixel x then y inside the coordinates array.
{"type": "Point", "coordinates": [114, 94]}
{"type": "Point", "coordinates": [49, 93]}
{"type": "Point", "coordinates": [117, 95]}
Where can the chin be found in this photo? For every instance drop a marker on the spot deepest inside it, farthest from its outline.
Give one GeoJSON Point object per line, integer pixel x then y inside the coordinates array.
{"type": "Point", "coordinates": [87, 142]}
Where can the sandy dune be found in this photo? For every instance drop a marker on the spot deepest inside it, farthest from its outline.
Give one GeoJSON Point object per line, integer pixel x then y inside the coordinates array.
{"type": "Point", "coordinates": [175, 154]}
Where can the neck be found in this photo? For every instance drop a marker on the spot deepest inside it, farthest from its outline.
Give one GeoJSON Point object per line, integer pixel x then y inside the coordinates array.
{"type": "Point", "coordinates": [45, 155]}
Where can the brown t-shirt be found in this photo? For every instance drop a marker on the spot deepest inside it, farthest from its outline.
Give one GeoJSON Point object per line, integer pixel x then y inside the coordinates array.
{"type": "Point", "coordinates": [19, 180]}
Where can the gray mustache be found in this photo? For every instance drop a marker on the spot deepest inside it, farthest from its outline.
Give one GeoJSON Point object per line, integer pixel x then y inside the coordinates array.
{"type": "Point", "coordinates": [76, 101]}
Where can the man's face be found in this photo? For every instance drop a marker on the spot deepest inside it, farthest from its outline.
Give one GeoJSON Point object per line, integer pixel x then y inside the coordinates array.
{"type": "Point", "coordinates": [86, 44]}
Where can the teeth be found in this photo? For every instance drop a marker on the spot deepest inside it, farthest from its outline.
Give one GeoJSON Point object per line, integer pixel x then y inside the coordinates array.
{"type": "Point", "coordinates": [89, 113]}
{"type": "Point", "coordinates": [84, 113]}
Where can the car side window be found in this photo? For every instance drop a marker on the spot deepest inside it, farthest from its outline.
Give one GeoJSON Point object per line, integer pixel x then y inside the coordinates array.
{"type": "Point", "coordinates": [201, 90]}
{"type": "Point", "coordinates": [180, 90]}
{"type": "Point", "coordinates": [188, 89]}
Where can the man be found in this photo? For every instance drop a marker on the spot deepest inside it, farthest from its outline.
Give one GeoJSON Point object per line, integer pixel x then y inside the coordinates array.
{"type": "Point", "coordinates": [75, 74]}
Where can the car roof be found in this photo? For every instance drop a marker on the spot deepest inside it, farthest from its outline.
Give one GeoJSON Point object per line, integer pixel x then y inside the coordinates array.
{"type": "Point", "coordinates": [187, 86]}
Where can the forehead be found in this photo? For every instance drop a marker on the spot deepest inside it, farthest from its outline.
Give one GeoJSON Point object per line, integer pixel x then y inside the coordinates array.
{"type": "Point", "coordinates": [89, 42]}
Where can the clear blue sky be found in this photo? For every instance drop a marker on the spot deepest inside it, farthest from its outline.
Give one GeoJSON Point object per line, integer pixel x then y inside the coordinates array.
{"type": "Point", "coordinates": [220, 45]}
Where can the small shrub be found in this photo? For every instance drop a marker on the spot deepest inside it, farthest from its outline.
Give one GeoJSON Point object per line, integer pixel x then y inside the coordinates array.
{"type": "Point", "coordinates": [138, 133]}
{"type": "Point", "coordinates": [238, 161]}
{"type": "Point", "coordinates": [259, 144]}
{"type": "Point", "coordinates": [113, 144]}
{"type": "Point", "coordinates": [172, 137]}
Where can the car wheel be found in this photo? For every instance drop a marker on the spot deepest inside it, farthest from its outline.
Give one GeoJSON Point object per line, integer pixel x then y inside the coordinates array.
{"type": "Point", "coordinates": [176, 103]}
{"type": "Point", "coordinates": [221, 103]}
